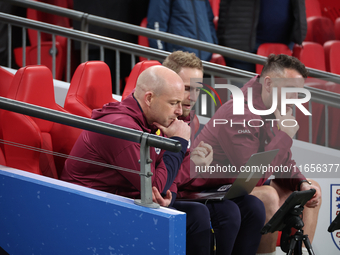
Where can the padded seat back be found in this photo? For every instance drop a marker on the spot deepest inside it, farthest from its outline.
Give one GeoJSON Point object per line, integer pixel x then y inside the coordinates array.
{"type": "Point", "coordinates": [313, 8]}
{"type": "Point", "coordinates": [6, 79]}
{"type": "Point", "coordinates": [48, 18]}
{"type": "Point", "coordinates": [337, 28]}
{"type": "Point", "coordinates": [319, 30]}
{"type": "Point", "coordinates": [90, 88]}
{"type": "Point", "coordinates": [333, 119]}
{"type": "Point", "coordinates": [311, 54]}
{"type": "Point", "coordinates": [266, 49]}
{"type": "Point", "coordinates": [142, 40]}
{"type": "Point", "coordinates": [34, 85]}
{"type": "Point", "coordinates": [318, 120]}
{"type": "Point", "coordinates": [2, 158]}
{"type": "Point", "coordinates": [135, 72]}
{"type": "Point", "coordinates": [332, 53]}
{"type": "Point", "coordinates": [30, 136]}
{"type": "Point", "coordinates": [46, 41]}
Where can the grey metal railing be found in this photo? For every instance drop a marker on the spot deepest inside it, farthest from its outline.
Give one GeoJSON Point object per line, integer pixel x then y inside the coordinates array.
{"type": "Point", "coordinates": [145, 139]}
{"type": "Point", "coordinates": [87, 19]}
{"type": "Point", "coordinates": [325, 97]}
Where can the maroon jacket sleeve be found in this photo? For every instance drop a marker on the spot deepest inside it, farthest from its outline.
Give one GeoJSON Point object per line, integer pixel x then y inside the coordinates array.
{"type": "Point", "coordinates": [284, 142]}
{"type": "Point", "coordinates": [129, 157]}
{"type": "Point", "coordinates": [126, 154]}
{"type": "Point", "coordinates": [240, 145]}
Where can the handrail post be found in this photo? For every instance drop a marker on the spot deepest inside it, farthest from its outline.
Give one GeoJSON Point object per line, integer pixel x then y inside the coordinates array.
{"type": "Point", "coordinates": [145, 175]}
{"type": "Point", "coordinates": [84, 46]}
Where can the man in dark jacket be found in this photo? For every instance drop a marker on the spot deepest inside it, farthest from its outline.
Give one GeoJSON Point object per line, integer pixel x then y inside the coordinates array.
{"type": "Point", "coordinates": [246, 24]}
{"type": "Point", "coordinates": [233, 144]}
{"type": "Point", "coordinates": [193, 19]}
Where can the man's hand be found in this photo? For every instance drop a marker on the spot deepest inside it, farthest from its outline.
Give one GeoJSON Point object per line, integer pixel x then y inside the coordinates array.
{"type": "Point", "coordinates": [291, 131]}
{"type": "Point", "coordinates": [202, 155]}
{"type": "Point", "coordinates": [177, 128]}
{"type": "Point", "coordinates": [162, 201]}
{"type": "Point", "coordinates": [316, 199]}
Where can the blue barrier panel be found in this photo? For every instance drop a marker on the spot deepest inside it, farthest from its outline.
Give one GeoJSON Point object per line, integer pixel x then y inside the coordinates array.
{"type": "Point", "coordinates": [40, 215]}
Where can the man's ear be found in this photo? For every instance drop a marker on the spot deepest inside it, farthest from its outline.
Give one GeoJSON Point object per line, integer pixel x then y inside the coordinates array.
{"type": "Point", "coordinates": [148, 97]}
{"type": "Point", "coordinates": [267, 83]}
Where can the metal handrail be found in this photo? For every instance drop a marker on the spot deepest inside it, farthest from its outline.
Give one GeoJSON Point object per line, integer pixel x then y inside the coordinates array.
{"type": "Point", "coordinates": [318, 95]}
{"type": "Point", "coordinates": [145, 139]}
{"type": "Point", "coordinates": [166, 37]}
{"type": "Point", "coordinates": [115, 44]}
{"type": "Point", "coordinates": [88, 124]}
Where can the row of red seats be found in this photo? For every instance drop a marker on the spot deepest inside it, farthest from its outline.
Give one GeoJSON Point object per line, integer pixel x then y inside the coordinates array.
{"type": "Point", "coordinates": [320, 29]}
{"type": "Point", "coordinates": [313, 55]}
{"type": "Point", "coordinates": [46, 40]}
{"type": "Point", "coordinates": [90, 88]}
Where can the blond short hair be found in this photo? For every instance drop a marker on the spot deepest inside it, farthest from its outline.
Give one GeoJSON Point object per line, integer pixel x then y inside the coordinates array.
{"type": "Point", "coordinates": [178, 59]}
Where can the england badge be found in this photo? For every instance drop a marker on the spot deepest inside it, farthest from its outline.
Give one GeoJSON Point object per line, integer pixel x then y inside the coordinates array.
{"type": "Point", "coordinates": [335, 210]}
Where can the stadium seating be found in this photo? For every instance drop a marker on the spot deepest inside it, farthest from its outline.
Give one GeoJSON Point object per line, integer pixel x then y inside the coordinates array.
{"type": "Point", "coordinates": [46, 42]}
{"type": "Point", "coordinates": [2, 158]}
{"type": "Point", "coordinates": [215, 6]}
{"type": "Point", "coordinates": [312, 55]}
{"type": "Point", "coordinates": [135, 72]}
{"type": "Point", "coordinates": [333, 119]}
{"type": "Point", "coordinates": [331, 12]}
{"type": "Point", "coordinates": [6, 78]}
{"type": "Point", "coordinates": [34, 85]}
{"type": "Point", "coordinates": [313, 8]}
{"type": "Point", "coordinates": [337, 28]}
{"type": "Point", "coordinates": [332, 53]}
{"type": "Point", "coordinates": [266, 49]}
{"type": "Point", "coordinates": [142, 40]}
{"type": "Point", "coordinates": [319, 30]}
{"type": "Point", "coordinates": [90, 88]}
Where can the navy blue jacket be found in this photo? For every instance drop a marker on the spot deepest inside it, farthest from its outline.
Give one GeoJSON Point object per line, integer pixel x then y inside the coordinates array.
{"type": "Point", "coordinates": [189, 18]}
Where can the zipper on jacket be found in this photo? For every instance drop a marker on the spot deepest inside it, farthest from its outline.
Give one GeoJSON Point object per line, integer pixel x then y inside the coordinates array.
{"type": "Point", "coordinates": [159, 42]}
{"type": "Point", "coordinates": [197, 32]}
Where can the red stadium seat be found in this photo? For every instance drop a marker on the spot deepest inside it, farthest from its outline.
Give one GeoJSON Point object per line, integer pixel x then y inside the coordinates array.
{"type": "Point", "coordinates": [215, 6]}
{"type": "Point", "coordinates": [6, 79]}
{"type": "Point", "coordinates": [46, 41]}
{"type": "Point", "coordinates": [135, 72]}
{"type": "Point", "coordinates": [313, 56]}
{"type": "Point", "coordinates": [332, 53]}
{"type": "Point", "coordinates": [319, 30]}
{"type": "Point", "coordinates": [217, 59]}
{"type": "Point", "coordinates": [313, 8]}
{"type": "Point", "coordinates": [34, 85]}
{"type": "Point", "coordinates": [2, 158]}
{"type": "Point", "coordinates": [266, 49]}
{"type": "Point", "coordinates": [333, 119]}
{"type": "Point", "coordinates": [90, 88]}
{"type": "Point", "coordinates": [337, 28]}
{"type": "Point", "coordinates": [142, 40]}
